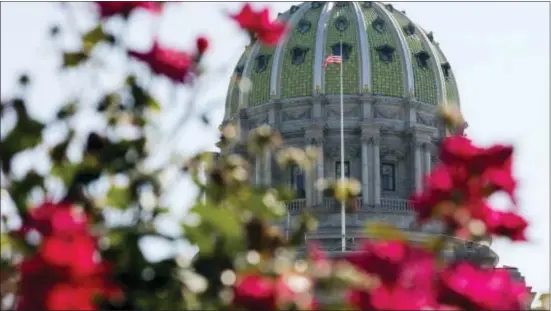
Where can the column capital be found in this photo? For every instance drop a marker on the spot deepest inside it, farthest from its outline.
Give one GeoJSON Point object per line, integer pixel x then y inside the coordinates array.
{"type": "Point", "coordinates": [243, 113]}
{"type": "Point", "coordinates": [419, 144]}
{"type": "Point", "coordinates": [315, 140]}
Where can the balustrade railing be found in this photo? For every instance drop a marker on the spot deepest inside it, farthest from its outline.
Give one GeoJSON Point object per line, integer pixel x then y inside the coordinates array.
{"type": "Point", "coordinates": [387, 204]}
{"type": "Point", "coordinates": [296, 205]}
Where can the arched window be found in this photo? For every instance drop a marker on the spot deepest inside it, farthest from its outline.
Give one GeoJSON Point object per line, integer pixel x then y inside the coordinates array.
{"type": "Point", "coordinates": [386, 53]}
{"type": "Point", "coordinates": [294, 8]}
{"type": "Point", "coordinates": [423, 59]}
{"type": "Point", "coordinates": [346, 50]}
{"type": "Point", "coordinates": [262, 61]}
{"type": "Point", "coordinates": [304, 26]}
{"type": "Point", "coordinates": [298, 55]}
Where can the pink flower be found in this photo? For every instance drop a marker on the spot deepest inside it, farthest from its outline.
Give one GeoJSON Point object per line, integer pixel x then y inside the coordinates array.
{"type": "Point", "coordinates": [473, 288]}
{"type": "Point", "coordinates": [258, 24]}
{"type": "Point", "coordinates": [175, 65]}
{"type": "Point", "coordinates": [111, 8]}
{"type": "Point", "coordinates": [54, 218]}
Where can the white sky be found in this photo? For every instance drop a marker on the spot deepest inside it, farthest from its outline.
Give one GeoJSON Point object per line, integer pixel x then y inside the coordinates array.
{"type": "Point", "coordinates": [499, 53]}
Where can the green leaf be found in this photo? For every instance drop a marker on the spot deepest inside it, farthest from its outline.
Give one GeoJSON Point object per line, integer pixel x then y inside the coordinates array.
{"type": "Point", "coordinates": [153, 103]}
{"type": "Point", "coordinates": [93, 37]}
{"type": "Point", "coordinates": [118, 197]}
{"type": "Point", "coordinates": [107, 102]}
{"type": "Point", "coordinates": [67, 111]}
{"type": "Point", "coordinates": [65, 171]}
{"type": "Point", "coordinates": [74, 59]}
{"type": "Point", "coordinates": [26, 134]}
{"type": "Point", "coordinates": [222, 219]}
{"type": "Point", "coordinates": [142, 98]}
{"type": "Point", "coordinates": [19, 190]}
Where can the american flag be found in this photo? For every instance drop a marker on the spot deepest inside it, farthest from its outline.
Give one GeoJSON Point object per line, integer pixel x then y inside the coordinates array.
{"type": "Point", "coordinates": [332, 59]}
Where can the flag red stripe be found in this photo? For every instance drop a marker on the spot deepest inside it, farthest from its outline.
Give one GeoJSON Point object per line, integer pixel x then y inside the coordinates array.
{"type": "Point", "coordinates": [332, 59]}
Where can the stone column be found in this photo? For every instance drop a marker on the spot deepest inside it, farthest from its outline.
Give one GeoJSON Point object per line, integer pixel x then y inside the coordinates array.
{"type": "Point", "coordinates": [427, 158]}
{"type": "Point", "coordinates": [267, 168]}
{"type": "Point", "coordinates": [417, 165]}
{"type": "Point", "coordinates": [309, 187]}
{"type": "Point", "coordinates": [365, 172]}
{"type": "Point", "coordinates": [258, 170]}
{"type": "Point", "coordinates": [319, 172]}
{"type": "Point", "coordinates": [376, 172]}
{"type": "Point", "coordinates": [243, 125]}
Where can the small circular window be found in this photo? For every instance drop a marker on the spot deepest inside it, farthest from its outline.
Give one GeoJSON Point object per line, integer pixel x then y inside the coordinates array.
{"type": "Point", "coordinates": [341, 24]}
{"type": "Point", "coordinates": [304, 26]}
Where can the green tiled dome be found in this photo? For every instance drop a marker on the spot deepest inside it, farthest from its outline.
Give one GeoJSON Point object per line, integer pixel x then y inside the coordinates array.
{"type": "Point", "coordinates": [386, 54]}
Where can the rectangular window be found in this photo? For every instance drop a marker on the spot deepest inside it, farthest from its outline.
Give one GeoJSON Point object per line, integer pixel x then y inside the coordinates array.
{"type": "Point", "coordinates": [338, 169]}
{"type": "Point", "coordinates": [297, 181]}
{"type": "Point", "coordinates": [388, 177]}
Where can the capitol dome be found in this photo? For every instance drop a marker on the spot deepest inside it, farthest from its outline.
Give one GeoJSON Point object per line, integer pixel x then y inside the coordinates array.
{"type": "Point", "coordinates": [394, 79]}
{"type": "Point", "coordinates": [385, 55]}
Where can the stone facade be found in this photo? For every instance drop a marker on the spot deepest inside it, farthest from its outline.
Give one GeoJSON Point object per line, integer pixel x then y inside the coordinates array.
{"type": "Point", "coordinates": [377, 130]}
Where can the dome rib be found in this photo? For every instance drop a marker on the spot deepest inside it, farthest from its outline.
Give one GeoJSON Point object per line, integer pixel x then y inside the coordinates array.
{"type": "Point", "coordinates": [233, 89]}
{"type": "Point", "coordinates": [404, 49]}
{"type": "Point", "coordinates": [243, 97]}
{"type": "Point", "coordinates": [436, 62]}
{"type": "Point", "coordinates": [320, 46]}
{"type": "Point", "coordinates": [452, 91]}
{"type": "Point", "coordinates": [365, 52]}
{"type": "Point", "coordinates": [277, 65]}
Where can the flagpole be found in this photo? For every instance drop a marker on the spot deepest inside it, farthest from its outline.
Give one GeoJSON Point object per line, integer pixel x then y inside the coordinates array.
{"type": "Point", "coordinates": [343, 214]}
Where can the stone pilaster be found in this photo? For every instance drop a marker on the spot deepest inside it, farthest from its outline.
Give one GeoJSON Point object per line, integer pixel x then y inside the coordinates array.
{"type": "Point", "coordinates": [258, 170]}
{"type": "Point", "coordinates": [376, 171]}
{"type": "Point", "coordinates": [314, 137]}
{"type": "Point", "coordinates": [365, 171]}
{"type": "Point", "coordinates": [427, 158]}
{"type": "Point", "coordinates": [243, 125]}
{"type": "Point", "coordinates": [371, 175]}
{"type": "Point", "coordinates": [319, 169]}
{"type": "Point", "coordinates": [267, 168]}
{"type": "Point", "coordinates": [421, 138]}
{"type": "Point", "coordinates": [417, 164]}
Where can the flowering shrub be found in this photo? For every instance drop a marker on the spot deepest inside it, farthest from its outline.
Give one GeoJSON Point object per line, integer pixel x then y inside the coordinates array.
{"type": "Point", "coordinates": [67, 255]}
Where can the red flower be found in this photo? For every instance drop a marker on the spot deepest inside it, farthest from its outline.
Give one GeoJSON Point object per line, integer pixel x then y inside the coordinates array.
{"type": "Point", "coordinates": [257, 292]}
{"type": "Point", "coordinates": [383, 258]}
{"type": "Point", "coordinates": [407, 274]}
{"type": "Point", "coordinates": [456, 190]}
{"type": "Point", "coordinates": [472, 288]}
{"type": "Point", "coordinates": [54, 218]}
{"type": "Point", "coordinates": [491, 166]}
{"type": "Point", "coordinates": [110, 8]}
{"type": "Point", "coordinates": [173, 64]}
{"type": "Point", "coordinates": [258, 24]}
{"type": "Point", "coordinates": [507, 224]}
{"type": "Point", "coordinates": [202, 44]}
{"type": "Point", "coordinates": [66, 272]}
